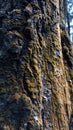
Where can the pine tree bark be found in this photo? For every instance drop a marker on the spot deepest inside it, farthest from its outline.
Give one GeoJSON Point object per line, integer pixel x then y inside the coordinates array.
{"type": "Point", "coordinates": [36, 66]}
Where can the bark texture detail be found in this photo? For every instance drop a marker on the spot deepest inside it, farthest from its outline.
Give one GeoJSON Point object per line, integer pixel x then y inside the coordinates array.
{"type": "Point", "coordinates": [36, 66]}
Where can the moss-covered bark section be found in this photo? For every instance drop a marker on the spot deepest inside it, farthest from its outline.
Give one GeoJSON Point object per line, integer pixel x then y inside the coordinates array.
{"type": "Point", "coordinates": [36, 78]}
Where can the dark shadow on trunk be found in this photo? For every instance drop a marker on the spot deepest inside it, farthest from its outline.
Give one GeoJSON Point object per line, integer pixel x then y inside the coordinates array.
{"type": "Point", "coordinates": [71, 122]}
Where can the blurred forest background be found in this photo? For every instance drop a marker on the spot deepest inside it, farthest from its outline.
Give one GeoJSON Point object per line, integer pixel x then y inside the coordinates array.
{"type": "Point", "coordinates": [68, 4]}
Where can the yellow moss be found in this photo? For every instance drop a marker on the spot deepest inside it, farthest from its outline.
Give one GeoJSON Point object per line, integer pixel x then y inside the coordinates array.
{"type": "Point", "coordinates": [30, 84]}
{"type": "Point", "coordinates": [29, 69]}
{"type": "Point", "coordinates": [35, 56]}
{"type": "Point", "coordinates": [18, 34]}
{"type": "Point", "coordinates": [33, 90]}
{"type": "Point", "coordinates": [17, 96]}
{"type": "Point", "coordinates": [30, 50]}
{"type": "Point", "coordinates": [34, 61]}
{"type": "Point", "coordinates": [37, 69]}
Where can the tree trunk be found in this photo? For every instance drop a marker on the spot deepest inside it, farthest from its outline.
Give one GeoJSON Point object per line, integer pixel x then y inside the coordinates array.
{"type": "Point", "coordinates": [36, 66]}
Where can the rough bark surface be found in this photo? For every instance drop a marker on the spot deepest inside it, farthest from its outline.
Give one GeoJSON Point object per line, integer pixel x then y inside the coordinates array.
{"type": "Point", "coordinates": [36, 66]}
